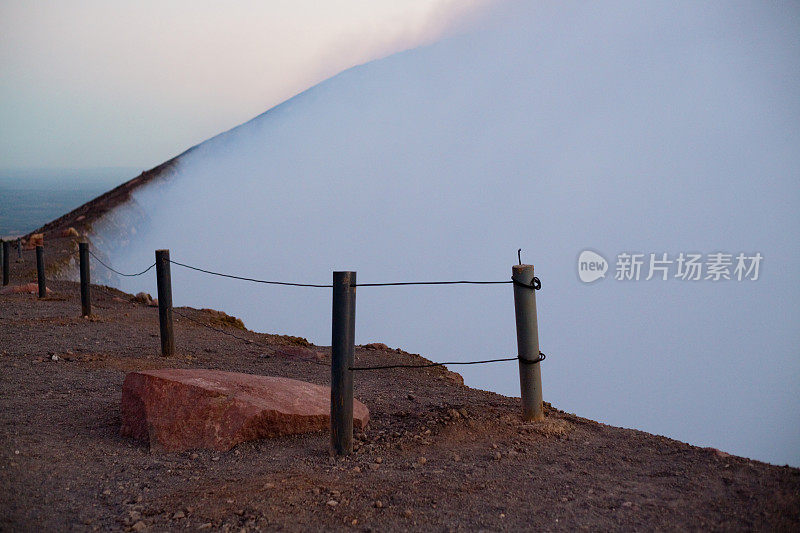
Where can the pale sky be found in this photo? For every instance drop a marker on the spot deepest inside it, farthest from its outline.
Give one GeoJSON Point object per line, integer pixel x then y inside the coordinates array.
{"type": "Point", "coordinates": [88, 83]}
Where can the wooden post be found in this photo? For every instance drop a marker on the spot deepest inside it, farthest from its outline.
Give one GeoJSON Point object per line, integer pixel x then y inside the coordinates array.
{"type": "Point", "coordinates": [19, 248]}
{"type": "Point", "coordinates": [530, 375]}
{"type": "Point", "coordinates": [6, 254]}
{"type": "Point", "coordinates": [40, 271]}
{"type": "Point", "coordinates": [164, 282]}
{"type": "Point", "coordinates": [86, 296]}
{"type": "Point", "coordinates": [342, 349]}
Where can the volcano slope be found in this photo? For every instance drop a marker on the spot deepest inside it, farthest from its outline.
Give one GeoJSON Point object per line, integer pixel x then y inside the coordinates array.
{"type": "Point", "coordinates": [436, 455]}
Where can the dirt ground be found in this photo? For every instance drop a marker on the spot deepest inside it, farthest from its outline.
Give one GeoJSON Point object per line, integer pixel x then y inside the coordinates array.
{"type": "Point", "coordinates": [436, 456]}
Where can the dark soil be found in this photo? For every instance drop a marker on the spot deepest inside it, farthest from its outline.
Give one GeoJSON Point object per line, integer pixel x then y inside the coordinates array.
{"type": "Point", "coordinates": [436, 456]}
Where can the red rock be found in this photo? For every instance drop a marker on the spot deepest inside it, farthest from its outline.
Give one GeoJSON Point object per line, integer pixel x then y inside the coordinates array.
{"type": "Point", "coordinates": [299, 352]}
{"type": "Point", "coordinates": [180, 409]}
{"type": "Point", "coordinates": [376, 346]}
{"type": "Point", "coordinates": [37, 239]}
{"type": "Point", "coordinates": [27, 288]}
{"type": "Point", "coordinates": [142, 298]}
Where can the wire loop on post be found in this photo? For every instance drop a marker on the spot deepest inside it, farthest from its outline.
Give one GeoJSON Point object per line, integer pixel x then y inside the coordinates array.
{"type": "Point", "coordinates": [536, 284]}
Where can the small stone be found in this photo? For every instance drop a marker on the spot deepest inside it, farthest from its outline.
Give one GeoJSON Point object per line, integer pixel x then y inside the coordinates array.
{"type": "Point", "coordinates": [54, 358]}
{"type": "Point", "coordinates": [139, 526]}
{"type": "Point", "coordinates": [422, 460]}
{"type": "Point", "coordinates": [374, 466]}
{"type": "Point", "coordinates": [207, 525]}
{"type": "Point", "coordinates": [332, 503]}
{"type": "Point", "coordinates": [354, 522]}
{"type": "Point", "coordinates": [229, 501]}
{"type": "Point", "coordinates": [357, 470]}
{"type": "Point", "coordinates": [272, 486]}
{"type": "Point", "coordinates": [408, 513]}
{"type": "Point", "coordinates": [194, 456]}
{"type": "Point", "coordinates": [498, 456]}
{"type": "Point", "coordinates": [456, 457]}
{"type": "Point", "coordinates": [627, 504]}
{"type": "Point", "coordinates": [379, 460]}
{"type": "Point", "coordinates": [107, 492]}
{"type": "Point", "coordinates": [178, 515]}
{"type": "Point", "coordinates": [134, 515]}
{"type": "Point", "coordinates": [379, 504]}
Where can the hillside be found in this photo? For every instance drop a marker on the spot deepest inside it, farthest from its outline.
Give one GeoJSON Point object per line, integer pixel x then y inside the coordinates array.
{"type": "Point", "coordinates": [436, 455]}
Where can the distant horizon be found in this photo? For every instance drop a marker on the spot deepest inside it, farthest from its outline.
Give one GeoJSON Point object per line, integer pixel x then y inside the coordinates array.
{"type": "Point", "coordinates": [90, 173]}
{"type": "Point", "coordinates": [35, 196]}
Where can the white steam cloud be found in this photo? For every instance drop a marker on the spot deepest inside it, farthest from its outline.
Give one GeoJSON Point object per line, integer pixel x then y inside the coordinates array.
{"type": "Point", "coordinates": [616, 127]}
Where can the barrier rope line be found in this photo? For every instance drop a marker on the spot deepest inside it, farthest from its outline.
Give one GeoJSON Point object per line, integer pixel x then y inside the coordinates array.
{"type": "Point", "coordinates": [250, 279]}
{"type": "Point", "coordinates": [148, 269]}
{"type": "Point", "coordinates": [249, 341]}
{"type": "Point", "coordinates": [535, 284]}
{"type": "Point", "coordinates": [539, 359]}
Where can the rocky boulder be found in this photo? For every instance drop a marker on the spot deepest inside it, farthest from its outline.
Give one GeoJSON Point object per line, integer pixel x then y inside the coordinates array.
{"type": "Point", "coordinates": [37, 239]}
{"type": "Point", "coordinates": [180, 409]}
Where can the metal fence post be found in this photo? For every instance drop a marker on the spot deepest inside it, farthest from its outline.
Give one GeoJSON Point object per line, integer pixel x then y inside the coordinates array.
{"type": "Point", "coordinates": [40, 271]}
{"type": "Point", "coordinates": [164, 282]}
{"type": "Point", "coordinates": [530, 375]}
{"type": "Point", "coordinates": [6, 254]}
{"type": "Point", "coordinates": [86, 297]}
{"type": "Point", "coordinates": [342, 349]}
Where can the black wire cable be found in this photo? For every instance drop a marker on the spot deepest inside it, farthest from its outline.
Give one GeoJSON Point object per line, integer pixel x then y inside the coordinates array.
{"type": "Point", "coordinates": [536, 284]}
{"type": "Point", "coordinates": [250, 279]}
{"type": "Point", "coordinates": [399, 283]}
{"type": "Point", "coordinates": [541, 358]}
{"type": "Point", "coordinates": [121, 273]}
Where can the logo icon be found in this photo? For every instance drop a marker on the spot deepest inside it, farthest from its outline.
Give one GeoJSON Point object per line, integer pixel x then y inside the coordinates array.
{"type": "Point", "coordinates": [591, 266]}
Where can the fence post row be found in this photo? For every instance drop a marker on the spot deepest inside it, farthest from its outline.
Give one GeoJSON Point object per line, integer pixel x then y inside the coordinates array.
{"type": "Point", "coordinates": [164, 282]}
{"type": "Point", "coordinates": [343, 329]}
{"type": "Point", "coordinates": [86, 296]}
{"type": "Point", "coordinates": [6, 253]}
{"type": "Point", "coordinates": [530, 375]}
{"type": "Point", "coordinates": [40, 271]}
